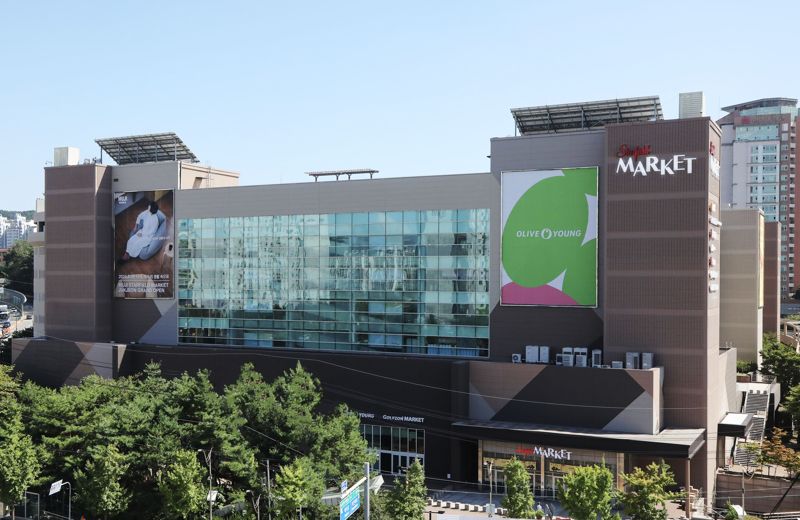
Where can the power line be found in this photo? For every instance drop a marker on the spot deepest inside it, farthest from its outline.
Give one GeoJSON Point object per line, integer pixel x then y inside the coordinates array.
{"type": "Point", "coordinates": [164, 352]}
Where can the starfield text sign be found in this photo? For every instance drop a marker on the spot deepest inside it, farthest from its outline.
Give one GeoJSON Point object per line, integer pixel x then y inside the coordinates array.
{"type": "Point", "coordinates": [640, 160]}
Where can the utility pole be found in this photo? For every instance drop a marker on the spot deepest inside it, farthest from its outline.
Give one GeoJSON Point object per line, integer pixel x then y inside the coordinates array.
{"type": "Point", "coordinates": [743, 509]}
{"type": "Point", "coordinates": [269, 491]}
{"type": "Point", "coordinates": [69, 503]}
{"type": "Point", "coordinates": [207, 457]}
{"type": "Point", "coordinates": [366, 491]}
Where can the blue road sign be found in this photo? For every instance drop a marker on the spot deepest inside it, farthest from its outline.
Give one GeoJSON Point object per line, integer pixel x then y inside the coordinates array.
{"type": "Point", "coordinates": [349, 504]}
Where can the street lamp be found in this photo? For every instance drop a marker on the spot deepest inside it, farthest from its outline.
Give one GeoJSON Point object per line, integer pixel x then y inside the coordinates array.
{"type": "Point", "coordinates": [431, 513]}
{"type": "Point", "coordinates": [491, 503]}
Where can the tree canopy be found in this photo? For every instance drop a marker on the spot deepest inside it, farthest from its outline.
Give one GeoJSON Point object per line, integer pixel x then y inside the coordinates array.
{"type": "Point", "coordinates": [131, 445]}
{"type": "Point", "coordinates": [519, 498]}
{"type": "Point", "coordinates": [646, 493]}
{"type": "Point", "coordinates": [587, 492]}
{"type": "Point", "coordinates": [17, 267]}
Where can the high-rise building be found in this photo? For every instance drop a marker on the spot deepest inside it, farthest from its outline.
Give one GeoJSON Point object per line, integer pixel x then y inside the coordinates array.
{"type": "Point", "coordinates": [691, 104]}
{"type": "Point", "coordinates": [758, 169]}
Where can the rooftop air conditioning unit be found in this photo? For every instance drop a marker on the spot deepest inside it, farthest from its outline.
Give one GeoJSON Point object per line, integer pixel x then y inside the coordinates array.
{"type": "Point", "coordinates": [632, 360]}
{"type": "Point", "coordinates": [531, 354]}
{"type": "Point", "coordinates": [559, 359]}
{"type": "Point", "coordinates": [597, 357]}
{"type": "Point", "coordinates": [581, 356]}
{"type": "Point", "coordinates": [647, 360]}
{"type": "Point", "coordinates": [544, 354]}
{"type": "Point", "coordinates": [616, 364]}
{"type": "Point", "coordinates": [568, 359]}
{"type": "Point", "coordinates": [516, 358]}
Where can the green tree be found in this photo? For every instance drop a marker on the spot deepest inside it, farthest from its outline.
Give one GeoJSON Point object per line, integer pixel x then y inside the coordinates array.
{"type": "Point", "coordinates": [19, 461]}
{"type": "Point", "coordinates": [586, 493]}
{"type": "Point", "coordinates": [98, 486]}
{"type": "Point", "coordinates": [407, 498]}
{"type": "Point", "coordinates": [205, 423]}
{"type": "Point", "coordinates": [792, 404]}
{"type": "Point", "coordinates": [298, 486]}
{"type": "Point", "coordinates": [780, 361]}
{"type": "Point", "coordinates": [339, 450]}
{"type": "Point", "coordinates": [646, 492]}
{"type": "Point", "coordinates": [518, 499]}
{"type": "Point", "coordinates": [19, 466]}
{"type": "Point", "coordinates": [17, 267]}
{"type": "Point", "coordinates": [745, 367]}
{"type": "Point", "coordinates": [181, 486]}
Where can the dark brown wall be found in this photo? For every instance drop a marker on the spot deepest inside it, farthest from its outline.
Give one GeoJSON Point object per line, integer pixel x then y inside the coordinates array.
{"type": "Point", "coordinates": [657, 261]}
{"type": "Point", "coordinates": [771, 312]}
{"type": "Point", "coordinates": [78, 252]}
{"type": "Point", "coordinates": [403, 386]}
{"type": "Point", "coordinates": [512, 327]}
{"type": "Point", "coordinates": [656, 269]}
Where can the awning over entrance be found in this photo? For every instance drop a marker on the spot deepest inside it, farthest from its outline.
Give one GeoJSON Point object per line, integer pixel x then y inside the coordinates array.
{"type": "Point", "coordinates": [669, 443]}
{"type": "Point", "coordinates": [735, 425]}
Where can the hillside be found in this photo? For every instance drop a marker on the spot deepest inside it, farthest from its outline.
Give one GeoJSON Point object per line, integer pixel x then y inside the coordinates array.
{"type": "Point", "coordinates": [10, 214]}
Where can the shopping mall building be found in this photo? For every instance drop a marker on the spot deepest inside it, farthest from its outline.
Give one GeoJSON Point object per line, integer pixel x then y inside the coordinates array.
{"type": "Point", "coordinates": [562, 308]}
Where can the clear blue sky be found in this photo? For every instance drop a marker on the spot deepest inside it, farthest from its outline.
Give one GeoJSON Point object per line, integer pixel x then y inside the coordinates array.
{"type": "Point", "coordinates": [273, 89]}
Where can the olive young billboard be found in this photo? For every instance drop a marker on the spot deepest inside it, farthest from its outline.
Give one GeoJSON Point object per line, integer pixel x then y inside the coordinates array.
{"type": "Point", "coordinates": [549, 237]}
{"type": "Point", "coordinates": [144, 244]}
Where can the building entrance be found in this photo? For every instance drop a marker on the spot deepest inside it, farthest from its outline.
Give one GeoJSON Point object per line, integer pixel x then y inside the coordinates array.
{"type": "Point", "coordinates": [546, 466]}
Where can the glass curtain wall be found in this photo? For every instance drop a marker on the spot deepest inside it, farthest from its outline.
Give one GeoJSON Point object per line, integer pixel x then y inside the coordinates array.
{"type": "Point", "coordinates": [400, 281]}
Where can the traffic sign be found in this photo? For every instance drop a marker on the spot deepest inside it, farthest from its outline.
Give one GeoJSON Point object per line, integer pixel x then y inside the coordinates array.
{"type": "Point", "coordinates": [349, 504]}
{"type": "Point", "coordinates": [55, 487]}
{"type": "Point", "coordinates": [344, 486]}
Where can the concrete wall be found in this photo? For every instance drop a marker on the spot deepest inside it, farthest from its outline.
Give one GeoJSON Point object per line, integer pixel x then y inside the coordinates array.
{"type": "Point", "coordinates": [196, 176]}
{"type": "Point", "coordinates": [659, 297]}
{"type": "Point", "coordinates": [79, 261]}
{"type": "Point", "coordinates": [761, 493]}
{"type": "Point", "coordinates": [566, 396]}
{"type": "Point", "coordinates": [742, 282]}
{"type": "Point", "coordinates": [771, 313]}
{"type": "Point", "coordinates": [513, 327]}
{"type": "Point", "coordinates": [39, 252]}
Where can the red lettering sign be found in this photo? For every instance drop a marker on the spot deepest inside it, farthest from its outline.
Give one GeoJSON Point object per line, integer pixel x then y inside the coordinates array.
{"type": "Point", "coordinates": [635, 152]}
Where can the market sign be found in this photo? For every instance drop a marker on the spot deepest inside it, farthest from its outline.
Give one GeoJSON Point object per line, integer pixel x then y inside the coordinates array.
{"type": "Point", "coordinates": [548, 453]}
{"type": "Point", "coordinates": [640, 160]}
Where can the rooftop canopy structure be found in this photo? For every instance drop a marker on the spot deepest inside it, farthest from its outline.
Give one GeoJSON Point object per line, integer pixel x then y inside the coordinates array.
{"type": "Point", "coordinates": [574, 117]}
{"type": "Point", "coordinates": [134, 149]}
{"type": "Point", "coordinates": [762, 103]}
{"type": "Point", "coordinates": [339, 173]}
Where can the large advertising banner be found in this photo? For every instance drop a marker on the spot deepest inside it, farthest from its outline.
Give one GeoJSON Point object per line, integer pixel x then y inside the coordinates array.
{"type": "Point", "coordinates": [549, 237]}
{"type": "Point", "coordinates": [144, 244]}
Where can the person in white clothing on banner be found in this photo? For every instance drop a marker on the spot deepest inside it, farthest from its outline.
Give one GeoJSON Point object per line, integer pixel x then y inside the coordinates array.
{"type": "Point", "coordinates": [144, 232]}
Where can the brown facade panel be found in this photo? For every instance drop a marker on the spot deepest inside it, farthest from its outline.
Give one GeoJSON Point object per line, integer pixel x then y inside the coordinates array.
{"type": "Point", "coordinates": [681, 213]}
{"type": "Point", "coordinates": [70, 232]}
{"type": "Point", "coordinates": [653, 292]}
{"type": "Point", "coordinates": [772, 282]}
{"type": "Point", "coordinates": [655, 254]}
{"type": "Point", "coordinates": [512, 328]}
{"type": "Point", "coordinates": [69, 178]}
{"type": "Point", "coordinates": [67, 259]}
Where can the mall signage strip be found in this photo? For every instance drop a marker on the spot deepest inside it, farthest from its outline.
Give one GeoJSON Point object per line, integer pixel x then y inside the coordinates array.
{"type": "Point", "coordinates": [394, 418]}
{"type": "Point", "coordinates": [639, 160]}
{"type": "Point", "coordinates": [548, 453]}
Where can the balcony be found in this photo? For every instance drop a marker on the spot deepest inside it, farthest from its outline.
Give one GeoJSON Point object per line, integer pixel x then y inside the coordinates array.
{"type": "Point", "coordinates": [36, 239]}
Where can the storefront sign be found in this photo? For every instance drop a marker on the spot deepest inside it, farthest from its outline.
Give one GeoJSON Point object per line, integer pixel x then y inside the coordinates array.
{"type": "Point", "coordinates": [549, 237]}
{"type": "Point", "coordinates": [639, 160]}
{"type": "Point", "coordinates": [713, 160]}
{"type": "Point", "coordinates": [548, 453]}
{"type": "Point", "coordinates": [393, 418]}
